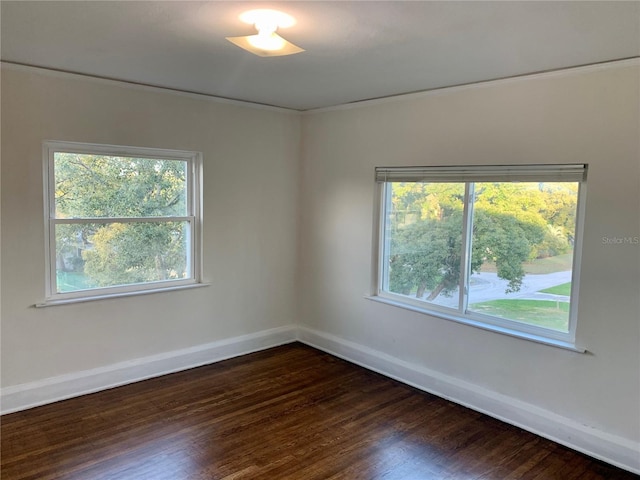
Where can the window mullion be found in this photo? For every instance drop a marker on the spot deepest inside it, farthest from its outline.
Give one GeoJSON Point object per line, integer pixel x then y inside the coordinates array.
{"type": "Point", "coordinates": [465, 257]}
{"type": "Point", "coordinates": [384, 236]}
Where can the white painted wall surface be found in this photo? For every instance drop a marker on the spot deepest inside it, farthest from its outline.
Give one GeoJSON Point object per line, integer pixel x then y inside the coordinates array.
{"type": "Point", "coordinates": [576, 117]}
{"type": "Point", "coordinates": [250, 223]}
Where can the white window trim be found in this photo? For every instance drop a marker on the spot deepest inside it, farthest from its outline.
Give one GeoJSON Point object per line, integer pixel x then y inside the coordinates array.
{"type": "Point", "coordinates": [467, 174]}
{"type": "Point", "coordinates": [92, 298]}
{"type": "Point", "coordinates": [193, 217]}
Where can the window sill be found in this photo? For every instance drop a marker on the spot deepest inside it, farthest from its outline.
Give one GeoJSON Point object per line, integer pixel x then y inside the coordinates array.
{"type": "Point", "coordinates": [67, 301]}
{"type": "Point", "coordinates": [484, 326]}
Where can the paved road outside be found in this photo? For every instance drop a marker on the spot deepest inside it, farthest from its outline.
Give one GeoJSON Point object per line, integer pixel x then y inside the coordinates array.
{"type": "Point", "coordinates": [487, 286]}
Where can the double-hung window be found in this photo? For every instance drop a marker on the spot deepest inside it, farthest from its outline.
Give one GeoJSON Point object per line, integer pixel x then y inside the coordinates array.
{"type": "Point", "coordinates": [120, 220]}
{"type": "Point", "coordinates": [492, 246]}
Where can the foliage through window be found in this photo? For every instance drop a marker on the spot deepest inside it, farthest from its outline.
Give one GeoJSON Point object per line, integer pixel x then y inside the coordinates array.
{"type": "Point", "coordinates": [120, 219]}
{"type": "Point", "coordinates": [491, 246]}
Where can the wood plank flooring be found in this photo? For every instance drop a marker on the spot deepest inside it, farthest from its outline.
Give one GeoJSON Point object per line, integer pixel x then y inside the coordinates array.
{"type": "Point", "coordinates": [290, 412]}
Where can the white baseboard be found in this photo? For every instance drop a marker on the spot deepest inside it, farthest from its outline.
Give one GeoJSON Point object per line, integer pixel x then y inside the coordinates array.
{"type": "Point", "coordinates": [33, 394]}
{"type": "Point", "coordinates": [609, 448]}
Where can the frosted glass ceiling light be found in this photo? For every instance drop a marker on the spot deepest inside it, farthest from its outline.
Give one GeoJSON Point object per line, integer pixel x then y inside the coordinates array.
{"type": "Point", "coordinates": [266, 43]}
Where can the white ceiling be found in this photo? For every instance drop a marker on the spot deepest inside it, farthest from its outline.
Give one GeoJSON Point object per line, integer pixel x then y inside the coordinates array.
{"type": "Point", "coordinates": [354, 50]}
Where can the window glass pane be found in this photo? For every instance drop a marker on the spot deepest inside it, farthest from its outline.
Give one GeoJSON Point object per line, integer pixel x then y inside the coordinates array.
{"type": "Point", "coordinates": [423, 237]}
{"type": "Point", "coordinates": [100, 186]}
{"type": "Point", "coordinates": [522, 251]}
{"type": "Point", "coordinates": [97, 255]}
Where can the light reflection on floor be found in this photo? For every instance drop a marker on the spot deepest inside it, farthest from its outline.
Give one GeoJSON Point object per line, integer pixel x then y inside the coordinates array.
{"type": "Point", "coordinates": [407, 459]}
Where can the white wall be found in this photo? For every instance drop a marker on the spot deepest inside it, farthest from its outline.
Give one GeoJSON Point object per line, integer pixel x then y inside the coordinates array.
{"type": "Point", "coordinates": [588, 116]}
{"type": "Point", "coordinates": [250, 223]}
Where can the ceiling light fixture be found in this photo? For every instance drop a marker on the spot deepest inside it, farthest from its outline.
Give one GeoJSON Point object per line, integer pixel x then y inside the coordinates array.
{"type": "Point", "coordinates": [266, 43]}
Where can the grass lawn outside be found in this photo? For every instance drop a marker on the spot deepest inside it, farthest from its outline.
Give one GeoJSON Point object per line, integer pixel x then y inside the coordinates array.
{"type": "Point", "coordinates": [559, 263]}
{"type": "Point", "coordinates": [563, 289]}
{"type": "Point", "coordinates": [545, 313]}
{"type": "Point", "coordinates": [72, 281]}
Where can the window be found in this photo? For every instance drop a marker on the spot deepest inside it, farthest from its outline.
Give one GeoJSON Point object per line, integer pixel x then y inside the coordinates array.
{"type": "Point", "coordinates": [494, 247]}
{"type": "Point", "coordinates": [120, 220]}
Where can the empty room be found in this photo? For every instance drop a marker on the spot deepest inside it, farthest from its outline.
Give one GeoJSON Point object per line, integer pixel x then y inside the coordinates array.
{"type": "Point", "coordinates": [320, 240]}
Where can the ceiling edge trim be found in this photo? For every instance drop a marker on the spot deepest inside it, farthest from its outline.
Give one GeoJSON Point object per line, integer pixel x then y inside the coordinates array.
{"type": "Point", "coordinates": [560, 72]}
{"type": "Point", "coordinates": [57, 73]}
{"type": "Point", "coordinates": [618, 63]}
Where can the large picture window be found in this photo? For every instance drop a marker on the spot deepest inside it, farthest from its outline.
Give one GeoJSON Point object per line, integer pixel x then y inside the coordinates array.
{"type": "Point", "coordinates": [120, 220]}
{"type": "Point", "coordinates": [496, 247]}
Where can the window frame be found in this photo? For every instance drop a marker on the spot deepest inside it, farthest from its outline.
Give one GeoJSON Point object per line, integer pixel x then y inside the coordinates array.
{"type": "Point", "coordinates": [193, 217]}
{"type": "Point", "coordinates": [469, 175]}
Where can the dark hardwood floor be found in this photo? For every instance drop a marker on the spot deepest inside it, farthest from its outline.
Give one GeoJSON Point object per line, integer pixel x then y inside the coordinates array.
{"type": "Point", "coordinates": [290, 412]}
